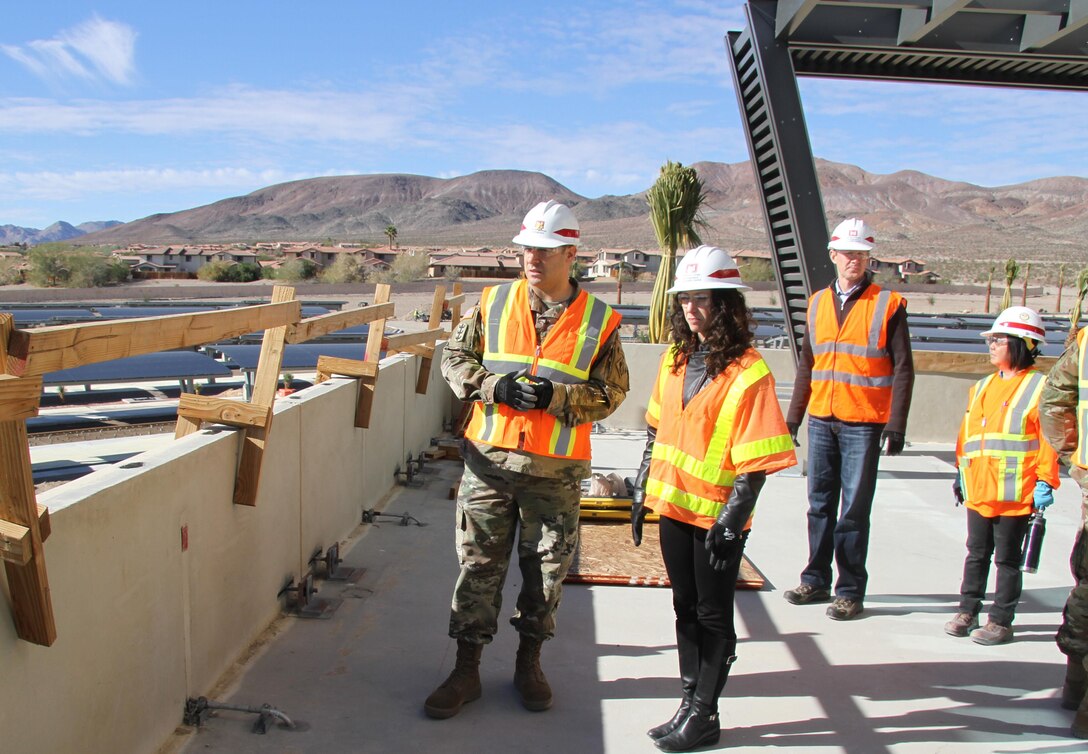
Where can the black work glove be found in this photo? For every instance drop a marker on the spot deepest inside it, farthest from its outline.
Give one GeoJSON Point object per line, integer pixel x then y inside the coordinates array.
{"type": "Point", "coordinates": [638, 515]}
{"type": "Point", "coordinates": [957, 491]}
{"type": "Point", "coordinates": [893, 442]}
{"type": "Point", "coordinates": [724, 543]}
{"type": "Point", "coordinates": [513, 393]}
{"type": "Point", "coordinates": [794, 428]}
{"type": "Point", "coordinates": [542, 390]}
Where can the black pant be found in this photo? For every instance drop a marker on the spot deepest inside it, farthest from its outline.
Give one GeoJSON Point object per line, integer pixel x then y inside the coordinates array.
{"type": "Point", "coordinates": [1003, 538]}
{"type": "Point", "coordinates": [699, 593]}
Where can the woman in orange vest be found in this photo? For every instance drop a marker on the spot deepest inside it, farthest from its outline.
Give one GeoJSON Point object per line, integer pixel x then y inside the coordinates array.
{"type": "Point", "coordinates": [1005, 471]}
{"type": "Point", "coordinates": [715, 430]}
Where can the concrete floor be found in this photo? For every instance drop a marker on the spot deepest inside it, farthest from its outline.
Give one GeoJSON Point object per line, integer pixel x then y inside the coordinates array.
{"type": "Point", "coordinates": [890, 681]}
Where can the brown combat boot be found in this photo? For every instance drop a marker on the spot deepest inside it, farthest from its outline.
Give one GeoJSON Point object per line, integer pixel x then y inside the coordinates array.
{"type": "Point", "coordinates": [1076, 683]}
{"type": "Point", "coordinates": [462, 686]}
{"type": "Point", "coordinates": [529, 680]}
{"type": "Point", "coordinates": [1080, 722]}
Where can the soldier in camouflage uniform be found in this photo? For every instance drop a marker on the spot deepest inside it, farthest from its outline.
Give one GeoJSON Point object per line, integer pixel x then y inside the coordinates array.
{"type": "Point", "coordinates": [1062, 400]}
{"type": "Point", "coordinates": [510, 494]}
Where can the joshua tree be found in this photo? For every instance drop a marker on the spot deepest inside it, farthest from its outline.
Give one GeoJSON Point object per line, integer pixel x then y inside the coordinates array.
{"type": "Point", "coordinates": [1024, 288]}
{"type": "Point", "coordinates": [989, 288]}
{"type": "Point", "coordinates": [391, 233]}
{"type": "Point", "coordinates": [1012, 271]}
{"type": "Point", "coordinates": [675, 200]}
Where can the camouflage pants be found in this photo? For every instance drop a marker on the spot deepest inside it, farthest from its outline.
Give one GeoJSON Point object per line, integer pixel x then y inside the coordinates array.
{"type": "Point", "coordinates": [494, 507]}
{"type": "Point", "coordinates": [1072, 635]}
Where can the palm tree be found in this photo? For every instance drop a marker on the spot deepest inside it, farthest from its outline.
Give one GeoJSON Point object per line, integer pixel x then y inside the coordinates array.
{"type": "Point", "coordinates": [1061, 284]}
{"type": "Point", "coordinates": [1012, 271]}
{"type": "Point", "coordinates": [1024, 289]}
{"type": "Point", "coordinates": [391, 233]}
{"type": "Point", "coordinates": [676, 201]}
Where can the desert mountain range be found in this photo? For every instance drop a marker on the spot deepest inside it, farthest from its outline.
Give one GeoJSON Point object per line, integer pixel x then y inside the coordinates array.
{"type": "Point", "coordinates": [914, 214]}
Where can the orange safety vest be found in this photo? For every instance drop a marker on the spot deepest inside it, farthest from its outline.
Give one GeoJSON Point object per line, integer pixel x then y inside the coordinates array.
{"type": "Point", "coordinates": [566, 356]}
{"type": "Point", "coordinates": [999, 451]}
{"type": "Point", "coordinates": [732, 426]}
{"type": "Point", "coordinates": [1081, 456]}
{"type": "Point", "coordinates": [852, 370]}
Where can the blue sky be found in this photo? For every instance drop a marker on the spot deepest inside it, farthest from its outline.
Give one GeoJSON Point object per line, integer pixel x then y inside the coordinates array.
{"type": "Point", "coordinates": [117, 110]}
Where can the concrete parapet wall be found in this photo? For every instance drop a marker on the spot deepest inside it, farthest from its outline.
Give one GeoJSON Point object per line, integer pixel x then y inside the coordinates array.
{"type": "Point", "coordinates": [143, 624]}
{"type": "Point", "coordinates": [937, 405]}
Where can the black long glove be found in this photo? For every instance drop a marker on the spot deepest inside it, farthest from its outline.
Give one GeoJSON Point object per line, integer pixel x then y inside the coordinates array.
{"type": "Point", "coordinates": [516, 394]}
{"type": "Point", "coordinates": [957, 491]}
{"type": "Point", "coordinates": [638, 510]}
{"type": "Point", "coordinates": [723, 541]}
{"type": "Point", "coordinates": [893, 442]}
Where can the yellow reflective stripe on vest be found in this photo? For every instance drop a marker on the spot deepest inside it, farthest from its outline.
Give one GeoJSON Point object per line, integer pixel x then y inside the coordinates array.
{"type": "Point", "coordinates": [1011, 445]}
{"type": "Point", "coordinates": [681, 499]}
{"type": "Point", "coordinates": [761, 448]}
{"type": "Point", "coordinates": [693, 466]}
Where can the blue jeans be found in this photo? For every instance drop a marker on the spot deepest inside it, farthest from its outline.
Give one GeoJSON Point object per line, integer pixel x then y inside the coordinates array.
{"type": "Point", "coordinates": [842, 463]}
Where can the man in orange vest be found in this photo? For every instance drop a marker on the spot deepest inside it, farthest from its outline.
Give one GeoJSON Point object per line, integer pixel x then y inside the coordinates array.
{"type": "Point", "coordinates": [855, 378]}
{"type": "Point", "coordinates": [541, 360]}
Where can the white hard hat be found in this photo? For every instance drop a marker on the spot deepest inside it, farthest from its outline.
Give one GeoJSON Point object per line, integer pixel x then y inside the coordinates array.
{"type": "Point", "coordinates": [707, 267]}
{"type": "Point", "coordinates": [852, 235]}
{"type": "Point", "coordinates": [1020, 321]}
{"type": "Point", "coordinates": [549, 225]}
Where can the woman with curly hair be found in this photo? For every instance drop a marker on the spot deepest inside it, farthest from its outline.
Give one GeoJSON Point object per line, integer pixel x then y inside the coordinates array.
{"type": "Point", "coordinates": [715, 430]}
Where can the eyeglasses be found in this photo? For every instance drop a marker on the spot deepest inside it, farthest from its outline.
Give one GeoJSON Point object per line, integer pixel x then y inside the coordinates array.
{"type": "Point", "coordinates": [702, 299]}
{"type": "Point", "coordinates": [539, 252]}
{"type": "Point", "coordinates": [854, 254]}
{"type": "Point", "coordinates": [996, 340]}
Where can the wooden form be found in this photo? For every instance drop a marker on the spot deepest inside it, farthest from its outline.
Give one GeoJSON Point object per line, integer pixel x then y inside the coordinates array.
{"type": "Point", "coordinates": [365, 371]}
{"type": "Point", "coordinates": [25, 355]}
{"type": "Point", "coordinates": [422, 343]}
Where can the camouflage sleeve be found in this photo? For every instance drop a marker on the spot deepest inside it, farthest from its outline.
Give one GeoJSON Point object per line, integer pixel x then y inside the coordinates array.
{"type": "Point", "coordinates": [462, 361]}
{"type": "Point", "coordinates": [601, 395]}
{"type": "Point", "coordinates": [1058, 404]}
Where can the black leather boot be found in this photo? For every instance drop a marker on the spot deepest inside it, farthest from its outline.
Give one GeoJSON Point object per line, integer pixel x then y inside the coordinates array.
{"type": "Point", "coordinates": [687, 647]}
{"type": "Point", "coordinates": [701, 727]}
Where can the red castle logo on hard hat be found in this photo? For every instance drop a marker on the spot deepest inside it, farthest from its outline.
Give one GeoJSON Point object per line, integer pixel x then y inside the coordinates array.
{"type": "Point", "coordinates": [691, 268]}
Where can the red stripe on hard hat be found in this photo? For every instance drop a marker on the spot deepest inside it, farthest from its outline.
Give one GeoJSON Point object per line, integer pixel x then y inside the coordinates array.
{"type": "Point", "coordinates": [566, 233]}
{"type": "Point", "coordinates": [1021, 326]}
{"type": "Point", "coordinates": [724, 274]}
{"type": "Point", "coordinates": [870, 239]}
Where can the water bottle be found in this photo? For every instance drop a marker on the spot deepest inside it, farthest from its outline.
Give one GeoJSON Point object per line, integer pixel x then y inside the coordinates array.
{"type": "Point", "coordinates": [1033, 543]}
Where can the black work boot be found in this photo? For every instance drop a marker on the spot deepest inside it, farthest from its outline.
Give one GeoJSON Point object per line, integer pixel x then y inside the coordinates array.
{"type": "Point", "coordinates": [529, 680]}
{"type": "Point", "coordinates": [687, 647]}
{"type": "Point", "coordinates": [1076, 683]}
{"type": "Point", "coordinates": [462, 686]}
{"type": "Point", "coordinates": [701, 727]}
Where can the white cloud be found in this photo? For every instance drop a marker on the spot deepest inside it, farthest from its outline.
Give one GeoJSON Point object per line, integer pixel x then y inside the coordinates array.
{"type": "Point", "coordinates": [95, 50]}
{"type": "Point", "coordinates": [64, 186]}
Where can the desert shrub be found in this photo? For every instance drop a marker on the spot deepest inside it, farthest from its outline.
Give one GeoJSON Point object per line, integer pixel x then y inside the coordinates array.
{"type": "Point", "coordinates": [347, 268]}
{"type": "Point", "coordinates": [409, 267]}
{"type": "Point", "coordinates": [297, 269]}
{"type": "Point", "coordinates": [54, 265]}
{"type": "Point", "coordinates": [9, 272]}
{"type": "Point", "coordinates": [215, 272]}
{"type": "Point", "coordinates": [757, 269]}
